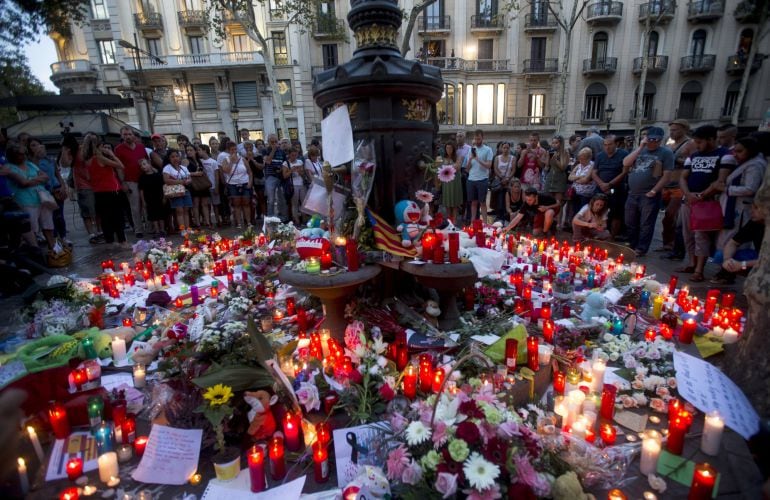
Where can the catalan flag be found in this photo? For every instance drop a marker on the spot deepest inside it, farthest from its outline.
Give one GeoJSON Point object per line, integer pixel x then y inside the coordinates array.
{"type": "Point", "coordinates": [387, 238]}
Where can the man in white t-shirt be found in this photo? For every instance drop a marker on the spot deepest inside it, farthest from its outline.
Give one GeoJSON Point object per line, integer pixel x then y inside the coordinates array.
{"type": "Point", "coordinates": [479, 162]}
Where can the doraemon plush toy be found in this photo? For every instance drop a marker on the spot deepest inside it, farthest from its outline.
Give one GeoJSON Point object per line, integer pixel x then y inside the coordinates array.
{"type": "Point", "coordinates": [408, 215]}
{"type": "Point", "coordinates": [595, 306]}
{"type": "Point", "coordinates": [314, 229]}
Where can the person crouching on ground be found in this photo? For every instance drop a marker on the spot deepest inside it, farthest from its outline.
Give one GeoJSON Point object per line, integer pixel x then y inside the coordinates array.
{"type": "Point", "coordinates": [538, 212]}
{"type": "Point", "coordinates": [591, 221]}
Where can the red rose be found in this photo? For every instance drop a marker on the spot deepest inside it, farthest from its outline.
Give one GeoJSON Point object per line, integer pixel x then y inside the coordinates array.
{"type": "Point", "coordinates": [468, 432]}
{"type": "Point", "coordinates": [521, 491]}
{"type": "Point", "coordinates": [496, 451]}
{"type": "Point", "coordinates": [386, 392]}
{"type": "Point", "coordinates": [471, 409]}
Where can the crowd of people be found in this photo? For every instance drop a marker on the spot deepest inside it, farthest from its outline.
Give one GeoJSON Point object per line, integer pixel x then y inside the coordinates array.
{"type": "Point", "coordinates": [595, 187]}
{"type": "Point", "coordinates": [607, 188]}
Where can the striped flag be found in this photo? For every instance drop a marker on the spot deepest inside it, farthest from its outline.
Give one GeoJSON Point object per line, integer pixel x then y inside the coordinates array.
{"type": "Point", "coordinates": [387, 238]}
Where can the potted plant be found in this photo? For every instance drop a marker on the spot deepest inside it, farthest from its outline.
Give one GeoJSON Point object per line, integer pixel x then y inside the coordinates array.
{"type": "Point", "coordinates": [216, 408]}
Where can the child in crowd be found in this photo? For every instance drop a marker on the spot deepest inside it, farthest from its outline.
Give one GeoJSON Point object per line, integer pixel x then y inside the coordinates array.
{"type": "Point", "coordinates": [151, 187]}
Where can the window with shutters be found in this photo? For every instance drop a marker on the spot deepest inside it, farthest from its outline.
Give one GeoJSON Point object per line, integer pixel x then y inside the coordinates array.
{"type": "Point", "coordinates": [731, 98]}
{"type": "Point", "coordinates": [329, 55]}
{"type": "Point", "coordinates": [163, 98]}
{"type": "Point", "coordinates": [153, 46]}
{"type": "Point", "coordinates": [204, 96]}
{"type": "Point", "coordinates": [280, 50]}
{"type": "Point", "coordinates": [284, 90]}
{"type": "Point", "coordinates": [245, 94]}
{"type": "Point", "coordinates": [536, 108]}
{"type": "Point", "coordinates": [239, 43]}
{"type": "Point", "coordinates": [596, 94]}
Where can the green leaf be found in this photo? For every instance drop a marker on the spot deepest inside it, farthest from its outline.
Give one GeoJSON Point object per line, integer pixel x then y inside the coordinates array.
{"type": "Point", "coordinates": [240, 378]}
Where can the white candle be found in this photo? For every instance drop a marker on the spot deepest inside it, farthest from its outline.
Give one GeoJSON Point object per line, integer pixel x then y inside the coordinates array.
{"type": "Point", "coordinates": [731, 336]}
{"type": "Point", "coordinates": [139, 376]}
{"type": "Point", "coordinates": [114, 481]}
{"type": "Point", "coordinates": [108, 466]}
{"type": "Point", "coordinates": [599, 367]}
{"type": "Point", "coordinates": [579, 429]}
{"type": "Point", "coordinates": [36, 444]}
{"type": "Point", "coordinates": [118, 349]}
{"type": "Point", "coordinates": [544, 353]}
{"type": "Point", "coordinates": [718, 331]}
{"type": "Point", "coordinates": [158, 283]}
{"type": "Point", "coordinates": [574, 405]}
{"type": "Point", "coordinates": [149, 284]}
{"type": "Point", "coordinates": [712, 433]}
{"type": "Point", "coordinates": [125, 452]}
{"type": "Point", "coordinates": [560, 408]}
{"type": "Point", "coordinates": [650, 451]}
{"type": "Point", "coordinates": [23, 479]}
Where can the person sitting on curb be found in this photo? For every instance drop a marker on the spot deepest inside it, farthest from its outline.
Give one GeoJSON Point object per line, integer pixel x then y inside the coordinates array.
{"type": "Point", "coordinates": [739, 260]}
{"type": "Point", "coordinates": [591, 221]}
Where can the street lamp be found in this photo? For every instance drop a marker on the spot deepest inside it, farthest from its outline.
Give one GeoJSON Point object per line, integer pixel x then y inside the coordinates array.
{"type": "Point", "coordinates": [234, 114]}
{"type": "Point", "coordinates": [144, 93]}
{"type": "Point", "coordinates": [608, 116]}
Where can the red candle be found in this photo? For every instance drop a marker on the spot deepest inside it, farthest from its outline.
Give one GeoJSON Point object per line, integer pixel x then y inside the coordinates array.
{"type": "Point", "coordinates": [410, 382]}
{"type": "Point", "coordinates": [291, 306]}
{"type": "Point", "coordinates": [74, 468]}
{"type": "Point", "coordinates": [320, 462]}
{"type": "Point", "coordinates": [454, 247]}
{"type": "Point", "coordinates": [351, 252]}
{"type": "Point", "coordinates": [128, 429]}
{"type": "Point", "coordinates": [526, 293]}
{"type": "Point", "coordinates": [79, 377]}
{"type": "Point", "coordinates": [438, 253]}
{"type": "Point", "coordinates": [428, 241]}
{"type": "Point", "coordinates": [687, 331]}
{"type": "Point", "coordinates": [609, 434]}
{"type": "Point", "coordinates": [127, 322]}
{"type": "Point", "coordinates": [402, 356]}
{"type": "Point", "coordinates": [139, 445]}
{"type": "Point", "coordinates": [607, 411]}
{"type": "Point", "coordinates": [559, 381]}
{"type": "Point", "coordinates": [118, 412]}
{"type": "Point", "coordinates": [677, 428]}
{"type": "Point", "coordinates": [672, 284]}
{"type": "Point", "coordinates": [666, 331]}
{"type": "Point", "coordinates": [532, 354]}
{"type": "Point", "coordinates": [324, 432]}
{"type": "Point", "coordinates": [728, 298]}
{"type": "Point", "coordinates": [511, 353]}
{"type": "Point", "coordinates": [548, 328]}
{"type": "Point", "coordinates": [291, 426]}
{"type": "Point", "coordinates": [438, 379]}
{"type": "Point", "coordinates": [96, 290]}
{"type": "Point", "coordinates": [256, 460]}
{"type": "Point", "coordinates": [326, 261]}
{"type": "Point", "coordinates": [426, 372]}
{"type": "Point", "coordinates": [69, 494]}
{"type": "Point", "coordinates": [478, 231]}
{"type": "Point", "coordinates": [57, 416]}
{"type": "Point", "coordinates": [178, 303]}
{"type": "Point", "coordinates": [703, 482]}
{"type": "Point", "coordinates": [545, 311]}
{"type": "Point", "coordinates": [277, 460]}
{"type": "Point", "coordinates": [674, 407]}
{"type": "Point", "coordinates": [590, 435]}
{"type": "Point", "coordinates": [649, 335]}
{"type": "Point", "coordinates": [470, 298]}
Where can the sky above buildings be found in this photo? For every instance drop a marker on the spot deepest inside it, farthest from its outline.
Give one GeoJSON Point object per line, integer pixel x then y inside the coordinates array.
{"type": "Point", "coordinates": [41, 55]}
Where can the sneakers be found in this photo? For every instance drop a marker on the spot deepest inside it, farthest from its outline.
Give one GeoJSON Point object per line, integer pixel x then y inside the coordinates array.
{"type": "Point", "coordinates": [673, 256]}
{"type": "Point", "coordinates": [96, 239]}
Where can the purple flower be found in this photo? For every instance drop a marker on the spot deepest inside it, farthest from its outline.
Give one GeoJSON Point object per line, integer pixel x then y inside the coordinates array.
{"type": "Point", "coordinates": [446, 484]}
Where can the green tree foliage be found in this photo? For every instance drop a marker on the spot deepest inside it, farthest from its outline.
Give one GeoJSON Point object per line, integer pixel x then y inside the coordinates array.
{"type": "Point", "coordinates": [23, 20]}
{"type": "Point", "coordinates": [16, 79]}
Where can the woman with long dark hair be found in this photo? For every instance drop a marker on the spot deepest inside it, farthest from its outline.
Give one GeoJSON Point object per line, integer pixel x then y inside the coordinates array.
{"type": "Point", "coordinates": [177, 174]}
{"type": "Point", "coordinates": [201, 198]}
{"type": "Point", "coordinates": [102, 165]}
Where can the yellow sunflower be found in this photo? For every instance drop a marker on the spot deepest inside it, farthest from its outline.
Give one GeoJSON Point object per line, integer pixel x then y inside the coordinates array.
{"type": "Point", "coordinates": [218, 395]}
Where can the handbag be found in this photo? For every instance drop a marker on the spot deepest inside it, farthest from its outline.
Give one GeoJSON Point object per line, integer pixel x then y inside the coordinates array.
{"type": "Point", "coordinates": [706, 216]}
{"type": "Point", "coordinates": [570, 194]}
{"type": "Point", "coordinates": [496, 184]}
{"type": "Point", "coordinates": [174, 190]}
{"type": "Point", "coordinates": [288, 187]}
{"type": "Point", "coordinates": [200, 183]}
{"type": "Point", "coordinates": [46, 199]}
{"type": "Point", "coordinates": [60, 255]}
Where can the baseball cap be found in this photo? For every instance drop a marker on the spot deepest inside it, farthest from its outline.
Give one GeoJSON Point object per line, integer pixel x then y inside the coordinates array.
{"type": "Point", "coordinates": [655, 133]}
{"type": "Point", "coordinates": [530, 191]}
{"type": "Point", "coordinates": [681, 122]}
{"type": "Point", "coordinates": [156, 136]}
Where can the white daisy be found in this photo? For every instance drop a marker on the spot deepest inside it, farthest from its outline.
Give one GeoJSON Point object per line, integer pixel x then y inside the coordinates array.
{"type": "Point", "coordinates": [480, 473]}
{"type": "Point", "coordinates": [417, 433]}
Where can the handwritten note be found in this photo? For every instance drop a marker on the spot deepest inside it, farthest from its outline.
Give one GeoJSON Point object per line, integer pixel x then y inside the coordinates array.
{"type": "Point", "coordinates": [240, 489]}
{"type": "Point", "coordinates": [171, 455]}
{"type": "Point", "coordinates": [337, 134]}
{"type": "Point", "coordinates": [707, 388]}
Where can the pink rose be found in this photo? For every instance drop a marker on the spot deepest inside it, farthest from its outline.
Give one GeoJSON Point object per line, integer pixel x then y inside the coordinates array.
{"type": "Point", "coordinates": [671, 382]}
{"type": "Point", "coordinates": [637, 384]}
{"type": "Point", "coordinates": [628, 402]}
{"type": "Point", "coordinates": [398, 422]}
{"type": "Point", "coordinates": [662, 391]}
{"type": "Point", "coordinates": [446, 484]}
{"type": "Point", "coordinates": [412, 474]}
{"type": "Point", "coordinates": [658, 405]}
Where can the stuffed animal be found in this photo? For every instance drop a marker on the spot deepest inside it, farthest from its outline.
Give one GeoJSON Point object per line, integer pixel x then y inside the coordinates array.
{"type": "Point", "coordinates": [432, 312]}
{"type": "Point", "coordinates": [369, 483]}
{"type": "Point", "coordinates": [408, 215]}
{"type": "Point", "coordinates": [262, 424]}
{"type": "Point", "coordinates": [314, 228]}
{"type": "Point", "coordinates": [595, 306]}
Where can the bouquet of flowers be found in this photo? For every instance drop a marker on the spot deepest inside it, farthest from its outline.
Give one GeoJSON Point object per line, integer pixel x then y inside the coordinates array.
{"type": "Point", "coordinates": [469, 443]}
{"type": "Point", "coordinates": [57, 317]}
{"type": "Point", "coordinates": [158, 252]}
{"type": "Point", "coordinates": [216, 409]}
{"type": "Point", "coordinates": [220, 338]}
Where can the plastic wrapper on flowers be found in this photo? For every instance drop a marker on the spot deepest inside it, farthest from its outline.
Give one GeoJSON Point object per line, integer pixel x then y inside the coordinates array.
{"type": "Point", "coordinates": [596, 467]}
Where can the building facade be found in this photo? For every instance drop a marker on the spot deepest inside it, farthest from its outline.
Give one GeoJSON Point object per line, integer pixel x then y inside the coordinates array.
{"type": "Point", "coordinates": [502, 69]}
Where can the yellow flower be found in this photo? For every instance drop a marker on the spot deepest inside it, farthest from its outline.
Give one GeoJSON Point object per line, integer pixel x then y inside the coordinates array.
{"type": "Point", "coordinates": [218, 395]}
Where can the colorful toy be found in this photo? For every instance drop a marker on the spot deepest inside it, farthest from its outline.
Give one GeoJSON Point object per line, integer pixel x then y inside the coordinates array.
{"type": "Point", "coordinates": [261, 418]}
{"type": "Point", "coordinates": [595, 306]}
{"type": "Point", "coordinates": [408, 215]}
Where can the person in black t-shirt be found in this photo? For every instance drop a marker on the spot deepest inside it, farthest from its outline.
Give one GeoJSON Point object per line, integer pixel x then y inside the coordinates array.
{"type": "Point", "coordinates": [151, 187]}
{"type": "Point", "coordinates": [538, 212]}
{"type": "Point", "coordinates": [739, 260]}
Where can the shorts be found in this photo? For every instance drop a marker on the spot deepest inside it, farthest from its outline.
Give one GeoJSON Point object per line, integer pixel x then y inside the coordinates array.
{"type": "Point", "coordinates": [477, 190]}
{"type": "Point", "coordinates": [238, 191]}
{"type": "Point", "coordinates": [39, 218]}
{"type": "Point", "coordinates": [182, 201]}
{"type": "Point", "coordinates": [86, 203]}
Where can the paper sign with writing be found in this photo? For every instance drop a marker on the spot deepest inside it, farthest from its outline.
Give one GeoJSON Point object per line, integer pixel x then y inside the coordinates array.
{"type": "Point", "coordinates": [337, 134]}
{"type": "Point", "coordinates": [171, 455]}
{"type": "Point", "coordinates": [707, 388]}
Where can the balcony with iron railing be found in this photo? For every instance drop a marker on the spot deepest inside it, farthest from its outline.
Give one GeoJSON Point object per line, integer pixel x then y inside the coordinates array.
{"type": "Point", "coordinates": [468, 65]}
{"type": "Point", "coordinates": [192, 18]}
{"type": "Point", "coordinates": [151, 21]}
{"type": "Point", "coordinates": [534, 66]}
{"type": "Point", "coordinates": [532, 121]}
{"type": "Point", "coordinates": [329, 27]}
{"type": "Point", "coordinates": [605, 66]}
{"type": "Point", "coordinates": [604, 12]}
{"type": "Point", "coordinates": [704, 11]}
{"type": "Point", "coordinates": [213, 59]}
{"type": "Point", "coordinates": [540, 22]}
{"type": "Point", "coordinates": [650, 115]}
{"type": "Point", "coordinates": [745, 12]}
{"type": "Point", "coordinates": [703, 63]}
{"type": "Point", "coordinates": [655, 65]}
{"type": "Point", "coordinates": [689, 113]}
{"type": "Point", "coordinates": [589, 117]}
{"type": "Point", "coordinates": [72, 70]}
{"type": "Point", "coordinates": [661, 11]}
{"type": "Point", "coordinates": [487, 23]}
{"type": "Point", "coordinates": [737, 63]}
{"type": "Point", "coordinates": [726, 114]}
{"type": "Point", "coordinates": [434, 25]}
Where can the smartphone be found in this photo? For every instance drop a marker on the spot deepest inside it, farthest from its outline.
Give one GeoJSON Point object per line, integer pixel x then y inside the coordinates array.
{"type": "Point", "coordinates": [473, 151]}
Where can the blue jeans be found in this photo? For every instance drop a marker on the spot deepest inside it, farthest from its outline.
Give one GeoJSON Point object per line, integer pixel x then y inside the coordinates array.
{"type": "Point", "coordinates": [641, 214]}
{"type": "Point", "coordinates": [274, 194]}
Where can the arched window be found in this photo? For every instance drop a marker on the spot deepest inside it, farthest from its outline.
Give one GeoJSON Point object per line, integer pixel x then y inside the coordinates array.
{"type": "Point", "coordinates": [731, 98]}
{"type": "Point", "coordinates": [648, 100]}
{"type": "Point", "coordinates": [596, 94]}
{"type": "Point", "coordinates": [688, 101]}
{"type": "Point", "coordinates": [698, 45]}
{"type": "Point", "coordinates": [599, 47]}
{"type": "Point", "coordinates": [745, 42]}
{"type": "Point", "coordinates": [652, 48]}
